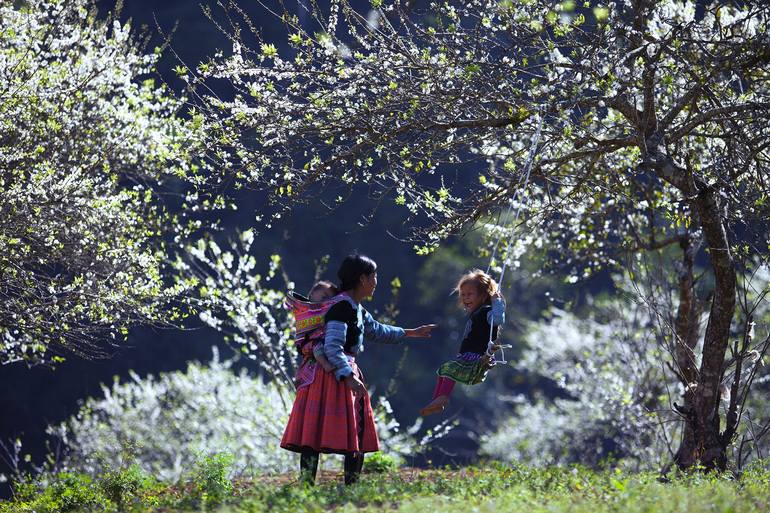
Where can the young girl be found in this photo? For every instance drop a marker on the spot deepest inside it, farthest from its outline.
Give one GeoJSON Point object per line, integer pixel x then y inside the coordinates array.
{"type": "Point", "coordinates": [480, 297]}
{"type": "Point", "coordinates": [333, 414]}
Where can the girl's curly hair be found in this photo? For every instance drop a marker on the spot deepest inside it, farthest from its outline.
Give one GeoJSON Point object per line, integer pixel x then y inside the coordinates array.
{"type": "Point", "coordinates": [484, 283]}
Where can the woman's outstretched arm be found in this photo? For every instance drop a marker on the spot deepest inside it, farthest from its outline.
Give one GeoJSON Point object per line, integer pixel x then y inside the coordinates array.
{"type": "Point", "coordinates": [387, 334]}
{"type": "Point", "coordinates": [383, 333]}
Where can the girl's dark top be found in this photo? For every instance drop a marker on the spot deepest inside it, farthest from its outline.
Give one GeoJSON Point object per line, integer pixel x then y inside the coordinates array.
{"type": "Point", "coordinates": [347, 325]}
{"type": "Point", "coordinates": [476, 334]}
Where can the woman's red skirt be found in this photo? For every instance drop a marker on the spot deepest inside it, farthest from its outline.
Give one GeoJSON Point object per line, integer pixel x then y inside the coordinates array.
{"type": "Point", "coordinates": [326, 418]}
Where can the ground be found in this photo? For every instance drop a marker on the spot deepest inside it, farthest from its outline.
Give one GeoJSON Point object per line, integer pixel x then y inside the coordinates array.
{"type": "Point", "coordinates": [489, 488]}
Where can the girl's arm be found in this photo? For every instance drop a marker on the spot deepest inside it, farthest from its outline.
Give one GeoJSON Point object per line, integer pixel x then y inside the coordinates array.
{"type": "Point", "coordinates": [497, 314]}
{"type": "Point", "coordinates": [384, 333]}
{"type": "Point", "coordinates": [337, 319]}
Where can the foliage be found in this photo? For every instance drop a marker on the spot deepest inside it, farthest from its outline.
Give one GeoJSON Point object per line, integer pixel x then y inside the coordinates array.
{"type": "Point", "coordinates": [613, 403]}
{"type": "Point", "coordinates": [379, 463]}
{"type": "Point", "coordinates": [650, 120]}
{"type": "Point", "coordinates": [211, 481]}
{"type": "Point", "coordinates": [72, 492]}
{"type": "Point", "coordinates": [574, 489]}
{"type": "Point", "coordinates": [90, 148]}
{"type": "Point", "coordinates": [616, 391]}
{"type": "Point", "coordinates": [173, 420]}
{"type": "Point", "coordinates": [390, 98]}
{"type": "Point", "coordinates": [235, 299]}
{"type": "Point", "coordinates": [121, 485]}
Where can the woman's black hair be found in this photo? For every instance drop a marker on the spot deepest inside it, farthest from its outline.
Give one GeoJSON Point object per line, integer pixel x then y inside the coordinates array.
{"type": "Point", "coordinates": [353, 267]}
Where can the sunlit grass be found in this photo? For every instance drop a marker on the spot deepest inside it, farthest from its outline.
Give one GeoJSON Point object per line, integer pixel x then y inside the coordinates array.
{"type": "Point", "coordinates": [491, 488]}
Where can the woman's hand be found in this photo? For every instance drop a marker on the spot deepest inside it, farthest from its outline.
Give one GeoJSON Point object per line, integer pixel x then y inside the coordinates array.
{"type": "Point", "coordinates": [421, 332]}
{"type": "Point", "coordinates": [355, 385]}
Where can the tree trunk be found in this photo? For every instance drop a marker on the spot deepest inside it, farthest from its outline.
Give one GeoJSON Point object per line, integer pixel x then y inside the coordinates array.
{"type": "Point", "coordinates": [687, 332]}
{"type": "Point", "coordinates": [701, 441]}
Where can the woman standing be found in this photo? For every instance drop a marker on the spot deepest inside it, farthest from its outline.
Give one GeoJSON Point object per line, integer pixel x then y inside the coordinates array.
{"type": "Point", "coordinates": [333, 413]}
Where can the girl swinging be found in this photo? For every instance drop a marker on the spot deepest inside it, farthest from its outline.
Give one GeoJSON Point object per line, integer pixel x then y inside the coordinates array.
{"type": "Point", "coordinates": [480, 297]}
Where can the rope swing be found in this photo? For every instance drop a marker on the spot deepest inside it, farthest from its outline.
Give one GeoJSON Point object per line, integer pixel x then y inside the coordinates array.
{"type": "Point", "coordinates": [517, 196]}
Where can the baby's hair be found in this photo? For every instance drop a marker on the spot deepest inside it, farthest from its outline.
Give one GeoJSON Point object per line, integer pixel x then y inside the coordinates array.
{"type": "Point", "coordinates": [323, 284]}
{"type": "Point", "coordinates": [484, 283]}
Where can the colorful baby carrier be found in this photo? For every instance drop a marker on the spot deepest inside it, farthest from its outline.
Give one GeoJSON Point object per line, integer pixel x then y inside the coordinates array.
{"type": "Point", "coordinates": [309, 321]}
{"type": "Point", "coordinates": [309, 317]}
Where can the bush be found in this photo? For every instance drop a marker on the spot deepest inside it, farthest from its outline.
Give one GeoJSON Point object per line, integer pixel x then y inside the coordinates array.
{"type": "Point", "coordinates": [379, 463]}
{"type": "Point", "coordinates": [71, 492]}
{"type": "Point", "coordinates": [613, 393]}
{"type": "Point", "coordinates": [210, 480]}
{"type": "Point", "coordinates": [121, 486]}
{"type": "Point", "coordinates": [171, 421]}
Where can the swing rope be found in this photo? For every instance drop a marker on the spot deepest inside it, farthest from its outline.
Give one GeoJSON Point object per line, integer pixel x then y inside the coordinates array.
{"type": "Point", "coordinates": [516, 196]}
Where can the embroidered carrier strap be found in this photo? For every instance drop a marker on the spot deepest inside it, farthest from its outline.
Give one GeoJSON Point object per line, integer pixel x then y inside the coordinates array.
{"type": "Point", "coordinates": [309, 316]}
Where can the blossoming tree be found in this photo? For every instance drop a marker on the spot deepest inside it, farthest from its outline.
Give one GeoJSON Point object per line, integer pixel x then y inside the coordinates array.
{"type": "Point", "coordinates": [88, 143]}
{"type": "Point", "coordinates": [650, 119]}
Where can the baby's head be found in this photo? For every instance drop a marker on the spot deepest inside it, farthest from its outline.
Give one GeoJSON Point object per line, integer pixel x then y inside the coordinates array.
{"type": "Point", "coordinates": [322, 290]}
{"type": "Point", "coordinates": [475, 288]}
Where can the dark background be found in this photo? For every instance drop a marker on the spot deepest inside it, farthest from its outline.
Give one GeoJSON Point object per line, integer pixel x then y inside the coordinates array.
{"type": "Point", "coordinates": [30, 399]}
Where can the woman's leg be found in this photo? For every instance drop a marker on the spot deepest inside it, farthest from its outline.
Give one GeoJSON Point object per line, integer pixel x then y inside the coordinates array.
{"type": "Point", "coordinates": [308, 466]}
{"type": "Point", "coordinates": [354, 461]}
{"type": "Point", "coordinates": [354, 464]}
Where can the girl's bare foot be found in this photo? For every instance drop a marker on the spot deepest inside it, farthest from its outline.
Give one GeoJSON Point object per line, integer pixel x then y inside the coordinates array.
{"type": "Point", "coordinates": [435, 406]}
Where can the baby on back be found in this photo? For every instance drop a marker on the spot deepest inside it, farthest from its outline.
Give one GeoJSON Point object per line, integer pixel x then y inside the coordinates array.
{"type": "Point", "coordinates": [319, 292]}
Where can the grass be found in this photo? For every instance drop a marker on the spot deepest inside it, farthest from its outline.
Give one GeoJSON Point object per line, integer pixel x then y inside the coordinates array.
{"type": "Point", "coordinates": [492, 488]}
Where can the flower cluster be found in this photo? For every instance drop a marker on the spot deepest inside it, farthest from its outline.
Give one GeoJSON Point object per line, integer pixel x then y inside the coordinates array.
{"type": "Point", "coordinates": [168, 422]}
{"type": "Point", "coordinates": [88, 145]}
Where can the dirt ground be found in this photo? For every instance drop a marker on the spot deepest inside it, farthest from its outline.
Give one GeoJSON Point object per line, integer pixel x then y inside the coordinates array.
{"type": "Point", "coordinates": [407, 474]}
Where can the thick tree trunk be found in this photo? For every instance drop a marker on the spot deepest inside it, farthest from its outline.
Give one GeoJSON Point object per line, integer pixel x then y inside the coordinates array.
{"type": "Point", "coordinates": [701, 442]}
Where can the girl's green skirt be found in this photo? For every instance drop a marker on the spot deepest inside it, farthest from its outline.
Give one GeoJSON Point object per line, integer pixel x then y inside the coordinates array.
{"type": "Point", "coordinates": [467, 368]}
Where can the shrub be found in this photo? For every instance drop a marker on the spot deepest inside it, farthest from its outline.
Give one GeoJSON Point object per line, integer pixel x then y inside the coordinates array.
{"type": "Point", "coordinates": [121, 486]}
{"type": "Point", "coordinates": [173, 420]}
{"type": "Point", "coordinates": [210, 480]}
{"type": "Point", "coordinates": [613, 386]}
{"type": "Point", "coordinates": [71, 492]}
{"type": "Point", "coordinates": [379, 463]}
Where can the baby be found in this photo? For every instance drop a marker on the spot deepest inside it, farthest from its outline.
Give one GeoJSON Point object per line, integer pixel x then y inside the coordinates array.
{"type": "Point", "coordinates": [321, 291]}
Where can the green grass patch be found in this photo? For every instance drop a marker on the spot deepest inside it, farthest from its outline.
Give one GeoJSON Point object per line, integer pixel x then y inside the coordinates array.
{"type": "Point", "coordinates": [491, 488]}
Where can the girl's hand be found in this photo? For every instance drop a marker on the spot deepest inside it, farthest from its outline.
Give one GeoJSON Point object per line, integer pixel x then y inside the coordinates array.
{"type": "Point", "coordinates": [421, 332]}
{"type": "Point", "coordinates": [497, 295]}
{"type": "Point", "coordinates": [355, 385]}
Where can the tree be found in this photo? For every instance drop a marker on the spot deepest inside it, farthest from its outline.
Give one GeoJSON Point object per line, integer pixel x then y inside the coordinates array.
{"type": "Point", "coordinates": [655, 133]}
{"type": "Point", "coordinates": [93, 159]}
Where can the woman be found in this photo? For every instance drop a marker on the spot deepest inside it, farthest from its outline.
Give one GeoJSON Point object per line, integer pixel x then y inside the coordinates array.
{"type": "Point", "coordinates": [333, 413]}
